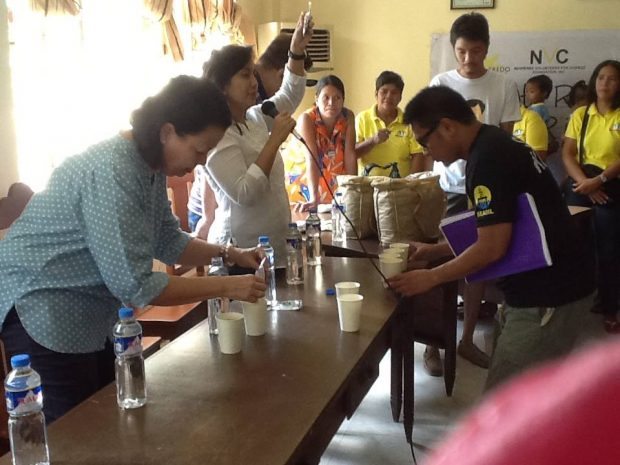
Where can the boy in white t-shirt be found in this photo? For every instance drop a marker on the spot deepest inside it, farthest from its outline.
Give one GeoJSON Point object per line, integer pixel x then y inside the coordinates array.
{"type": "Point", "coordinates": [494, 98]}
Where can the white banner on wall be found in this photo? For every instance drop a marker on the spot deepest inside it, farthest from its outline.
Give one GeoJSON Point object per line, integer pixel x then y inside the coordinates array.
{"type": "Point", "coordinates": [565, 56]}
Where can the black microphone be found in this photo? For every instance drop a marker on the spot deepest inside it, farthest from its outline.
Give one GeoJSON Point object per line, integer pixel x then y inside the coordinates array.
{"type": "Point", "coordinates": [269, 108]}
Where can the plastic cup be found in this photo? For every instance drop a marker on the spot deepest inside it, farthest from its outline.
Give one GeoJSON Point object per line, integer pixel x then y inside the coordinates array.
{"type": "Point", "coordinates": [230, 337]}
{"type": "Point", "coordinates": [390, 265]}
{"type": "Point", "coordinates": [350, 312]}
{"type": "Point", "coordinates": [255, 317]}
{"type": "Point", "coordinates": [347, 287]}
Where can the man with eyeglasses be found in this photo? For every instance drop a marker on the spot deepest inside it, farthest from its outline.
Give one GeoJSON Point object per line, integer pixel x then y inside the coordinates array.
{"type": "Point", "coordinates": [494, 98]}
{"type": "Point", "coordinates": [547, 310]}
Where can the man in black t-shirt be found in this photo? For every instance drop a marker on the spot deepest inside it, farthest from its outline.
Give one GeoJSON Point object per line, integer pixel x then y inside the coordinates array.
{"type": "Point", "coordinates": [546, 308]}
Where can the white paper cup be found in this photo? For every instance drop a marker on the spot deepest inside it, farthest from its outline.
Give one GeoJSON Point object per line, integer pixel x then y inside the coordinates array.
{"type": "Point", "coordinates": [347, 287]}
{"type": "Point", "coordinates": [350, 312]}
{"type": "Point", "coordinates": [230, 337]}
{"type": "Point", "coordinates": [390, 265]}
{"type": "Point", "coordinates": [255, 317]}
{"type": "Point", "coordinates": [401, 246]}
{"type": "Point", "coordinates": [404, 250]}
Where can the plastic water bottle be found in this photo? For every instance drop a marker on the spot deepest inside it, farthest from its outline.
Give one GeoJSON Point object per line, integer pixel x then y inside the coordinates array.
{"type": "Point", "coordinates": [24, 402]}
{"type": "Point", "coordinates": [313, 238]}
{"type": "Point", "coordinates": [270, 274]}
{"type": "Point", "coordinates": [294, 257]}
{"type": "Point", "coordinates": [130, 376]}
{"type": "Point", "coordinates": [217, 304]}
{"type": "Point", "coordinates": [337, 209]}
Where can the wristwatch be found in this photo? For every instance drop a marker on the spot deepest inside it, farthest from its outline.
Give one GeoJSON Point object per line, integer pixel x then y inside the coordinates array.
{"type": "Point", "coordinates": [603, 178]}
{"type": "Point", "coordinates": [295, 56]}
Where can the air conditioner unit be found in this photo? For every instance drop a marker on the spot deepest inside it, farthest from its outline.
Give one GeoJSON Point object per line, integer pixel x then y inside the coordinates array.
{"type": "Point", "coordinates": [319, 48]}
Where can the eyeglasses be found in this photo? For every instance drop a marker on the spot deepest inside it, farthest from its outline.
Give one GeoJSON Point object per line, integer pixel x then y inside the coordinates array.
{"type": "Point", "coordinates": [423, 141]}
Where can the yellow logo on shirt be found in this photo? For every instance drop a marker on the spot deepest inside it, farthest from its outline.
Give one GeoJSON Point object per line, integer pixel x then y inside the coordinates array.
{"type": "Point", "coordinates": [482, 199]}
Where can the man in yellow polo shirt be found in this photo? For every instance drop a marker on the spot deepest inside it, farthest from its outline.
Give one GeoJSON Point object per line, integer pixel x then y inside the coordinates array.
{"type": "Point", "coordinates": [382, 137]}
{"type": "Point", "coordinates": [532, 130]}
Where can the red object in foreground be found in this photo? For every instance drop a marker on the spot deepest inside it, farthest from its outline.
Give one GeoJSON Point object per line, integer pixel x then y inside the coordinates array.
{"type": "Point", "coordinates": [565, 413]}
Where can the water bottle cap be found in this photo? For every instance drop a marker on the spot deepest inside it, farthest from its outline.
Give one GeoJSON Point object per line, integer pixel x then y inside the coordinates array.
{"type": "Point", "coordinates": [330, 291]}
{"type": "Point", "coordinates": [292, 225]}
{"type": "Point", "coordinates": [263, 239]}
{"type": "Point", "coordinates": [312, 210]}
{"type": "Point", "coordinates": [125, 312]}
{"type": "Point", "coordinates": [21, 360]}
{"type": "Point", "coordinates": [338, 194]}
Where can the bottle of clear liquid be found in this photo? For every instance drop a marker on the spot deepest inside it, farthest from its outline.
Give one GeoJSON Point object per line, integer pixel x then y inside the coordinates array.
{"type": "Point", "coordinates": [313, 238]}
{"type": "Point", "coordinates": [337, 209]}
{"type": "Point", "coordinates": [270, 272]}
{"type": "Point", "coordinates": [294, 257]}
{"type": "Point", "coordinates": [24, 402]}
{"type": "Point", "coordinates": [217, 304]}
{"type": "Point", "coordinates": [129, 365]}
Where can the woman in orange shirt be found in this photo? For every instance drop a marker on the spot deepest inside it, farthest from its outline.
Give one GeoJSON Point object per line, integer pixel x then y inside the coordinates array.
{"type": "Point", "coordinates": [329, 130]}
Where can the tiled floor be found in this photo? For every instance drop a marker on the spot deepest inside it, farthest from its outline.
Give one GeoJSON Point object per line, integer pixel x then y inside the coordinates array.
{"type": "Point", "coordinates": [372, 438]}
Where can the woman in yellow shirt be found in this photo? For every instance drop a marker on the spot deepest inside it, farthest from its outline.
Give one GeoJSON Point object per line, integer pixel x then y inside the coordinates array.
{"type": "Point", "coordinates": [591, 155]}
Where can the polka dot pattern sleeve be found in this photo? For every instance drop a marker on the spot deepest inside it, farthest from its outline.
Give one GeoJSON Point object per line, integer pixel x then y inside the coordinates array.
{"type": "Point", "coordinates": [85, 244]}
{"type": "Point", "coordinates": [127, 222]}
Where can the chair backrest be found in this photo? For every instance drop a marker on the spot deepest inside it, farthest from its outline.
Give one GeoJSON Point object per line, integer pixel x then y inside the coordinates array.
{"type": "Point", "coordinates": [178, 194]}
{"type": "Point", "coordinates": [11, 207]}
{"type": "Point", "coordinates": [14, 203]}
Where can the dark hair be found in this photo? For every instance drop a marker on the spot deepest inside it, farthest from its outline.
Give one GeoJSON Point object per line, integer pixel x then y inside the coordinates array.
{"type": "Point", "coordinates": [579, 91]}
{"type": "Point", "coordinates": [189, 103]}
{"type": "Point", "coordinates": [275, 55]}
{"type": "Point", "coordinates": [434, 103]}
{"type": "Point", "coordinates": [470, 26]}
{"type": "Point", "coordinates": [330, 80]}
{"type": "Point", "coordinates": [592, 84]}
{"type": "Point", "coordinates": [543, 82]}
{"type": "Point", "coordinates": [389, 77]}
{"type": "Point", "coordinates": [225, 63]}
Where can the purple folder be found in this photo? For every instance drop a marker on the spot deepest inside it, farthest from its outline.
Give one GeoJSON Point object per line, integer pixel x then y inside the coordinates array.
{"type": "Point", "coordinates": [528, 246]}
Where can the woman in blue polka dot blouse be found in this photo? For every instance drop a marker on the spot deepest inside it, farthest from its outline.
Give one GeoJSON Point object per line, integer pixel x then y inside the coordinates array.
{"type": "Point", "coordinates": [86, 244]}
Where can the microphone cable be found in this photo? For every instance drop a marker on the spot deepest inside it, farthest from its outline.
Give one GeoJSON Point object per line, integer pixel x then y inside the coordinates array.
{"type": "Point", "coordinates": [268, 108]}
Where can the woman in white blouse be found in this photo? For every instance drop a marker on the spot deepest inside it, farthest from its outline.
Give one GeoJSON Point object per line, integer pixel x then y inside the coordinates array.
{"type": "Point", "coordinates": [245, 170]}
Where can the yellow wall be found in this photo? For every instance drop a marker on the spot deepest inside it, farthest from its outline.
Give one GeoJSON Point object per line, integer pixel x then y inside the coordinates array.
{"type": "Point", "coordinates": [8, 158]}
{"type": "Point", "coordinates": [373, 35]}
{"type": "Point", "coordinates": [369, 36]}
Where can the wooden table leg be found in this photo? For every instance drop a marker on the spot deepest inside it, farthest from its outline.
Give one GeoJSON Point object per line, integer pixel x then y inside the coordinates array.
{"type": "Point", "coordinates": [408, 381]}
{"type": "Point", "coordinates": [396, 388]}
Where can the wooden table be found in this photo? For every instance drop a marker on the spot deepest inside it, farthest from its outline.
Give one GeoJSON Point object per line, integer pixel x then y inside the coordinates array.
{"type": "Point", "coordinates": [279, 401]}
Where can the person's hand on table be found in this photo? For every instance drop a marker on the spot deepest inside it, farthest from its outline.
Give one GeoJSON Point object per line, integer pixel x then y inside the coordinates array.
{"type": "Point", "coordinates": [421, 251]}
{"type": "Point", "coordinates": [247, 287]}
{"type": "Point", "coordinates": [413, 282]}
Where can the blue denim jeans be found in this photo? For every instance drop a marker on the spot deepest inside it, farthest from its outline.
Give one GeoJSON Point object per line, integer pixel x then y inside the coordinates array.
{"type": "Point", "coordinates": [192, 220]}
{"type": "Point", "coordinates": [607, 247]}
{"type": "Point", "coordinates": [67, 379]}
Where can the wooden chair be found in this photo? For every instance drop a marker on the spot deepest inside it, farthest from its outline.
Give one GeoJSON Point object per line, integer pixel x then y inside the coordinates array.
{"type": "Point", "coordinates": [178, 193]}
{"type": "Point", "coordinates": [11, 207]}
{"type": "Point", "coordinates": [14, 203]}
